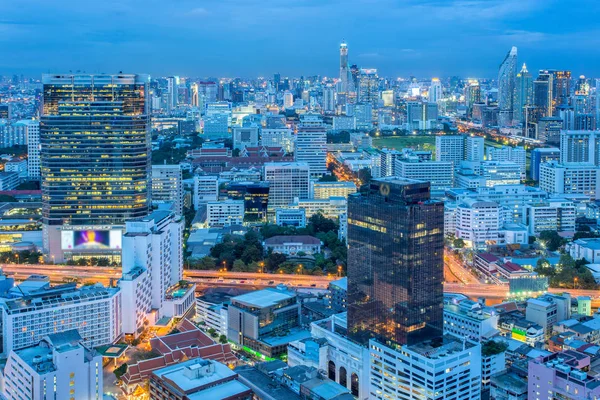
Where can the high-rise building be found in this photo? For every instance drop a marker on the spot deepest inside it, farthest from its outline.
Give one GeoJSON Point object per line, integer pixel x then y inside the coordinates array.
{"type": "Point", "coordinates": [286, 182]}
{"type": "Point", "coordinates": [328, 99]}
{"type": "Point", "coordinates": [152, 270]}
{"type": "Point", "coordinates": [395, 262]}
{"type": "Point", "coordinates": [435, 91]}
{"type": "Point", "coordinates": [33, 149]}
{"type": "Point", "coordinates": [581, 147]}
{"type": "Point", "coordinates": [195, 95]}
{"type": "Point", "coordinates": [543, 95]}
{"type": "Point", "coordinates": [311, 144]}
{"type": "Point", "coordinates": [344, 73]}
{"type": "Point", "coordinates": [474, 148]}
{"type": "Point", "coordinates": [450, 148]}
{"type": "Point", "coordinates": [167, 186]}
{"type": "Point", "coordinates": [288, 99]}
{"type": "Point", "coordinates": [509, 153]}
{"type": "Point", "coordinates": [95, 156]}
{"type": "Point", "coordinates": [472, 93]}
{"type": "Point", "coordinates": [523, 94]}
{"type": "Point", "coordinates": [368, 86]}
{"type": "Point", "coordinates": [60, 366]}
{"type": "Point", "coordinates": [421, 115]}
{"type": "Point", "coordinates": [506, 87]}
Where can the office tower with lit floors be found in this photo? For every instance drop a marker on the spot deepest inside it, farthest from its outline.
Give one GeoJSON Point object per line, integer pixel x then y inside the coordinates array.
{"type": "Point", "coordinates": [94, 161]}
{"type": "Point", "coordinates": [395, 262]}
{"type": "Point", "coordinates": [395, 296]}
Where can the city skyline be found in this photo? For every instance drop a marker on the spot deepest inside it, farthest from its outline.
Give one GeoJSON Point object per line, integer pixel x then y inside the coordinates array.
{"type": "Point", "coordinates": [229, 39]}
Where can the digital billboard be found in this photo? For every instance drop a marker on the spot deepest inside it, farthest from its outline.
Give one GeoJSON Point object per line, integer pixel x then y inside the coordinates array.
{"type": "Point", "coordinates": [91, 240]}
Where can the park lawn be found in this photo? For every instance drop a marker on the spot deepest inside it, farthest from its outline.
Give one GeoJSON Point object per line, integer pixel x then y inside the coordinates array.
{"type": "Point", "coordinates": [400, 142]}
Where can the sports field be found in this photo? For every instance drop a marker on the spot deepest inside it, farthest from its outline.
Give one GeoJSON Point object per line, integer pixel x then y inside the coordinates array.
{"type": "Point", "coordinates": [400, 142]}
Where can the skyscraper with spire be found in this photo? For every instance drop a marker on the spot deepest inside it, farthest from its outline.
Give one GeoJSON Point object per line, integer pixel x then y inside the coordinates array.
{"type": "Point", "coordinates": [523, 94]}
{"type": "Point", "coordinates": [506, 87]}
{"type": "Point", "coordinates": [344, 67]}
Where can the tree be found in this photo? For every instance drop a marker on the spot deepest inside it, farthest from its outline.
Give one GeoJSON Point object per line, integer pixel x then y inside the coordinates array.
{"type": "Point", "coordinates": [364, 174]}
{"type": "Point", "coordinates": [458, 243]}
{"type": "Point", "coordinates": [328, 178]}
{"type": "Point", "coordinates": [205, 263]}
{"type": "Point", "coordinates": [251, 253]}
{"type": "Point", "coordinates": [319, 223]}
{"type": "Point", "coordinates": [212, 332]}
{"type": "Point", "coordinates": [239, 266]}
{"type": "Point", "coordinates": [551, 240]}
{"type": "Point", "coordinates": [120, 370]}
{"type": "Point", "coordinates": [235, 153]}
{"type": "Point", "coordinates": [274, 260]}
{"type": "Point", "coordinates": [223, 339]}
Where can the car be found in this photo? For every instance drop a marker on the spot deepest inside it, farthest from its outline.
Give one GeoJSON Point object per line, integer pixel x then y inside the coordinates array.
{"type": "Point", "coordinates": [271, 282]}
{"type": "Point", "coordinates": [313, 285]}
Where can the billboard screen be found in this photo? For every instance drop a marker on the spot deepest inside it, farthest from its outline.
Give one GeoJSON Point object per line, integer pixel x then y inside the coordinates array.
{"type": "Point", "coordinates": [91, 240]}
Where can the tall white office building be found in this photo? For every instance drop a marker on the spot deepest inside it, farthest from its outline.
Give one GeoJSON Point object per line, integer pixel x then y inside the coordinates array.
{"type": "Point", "coordinates": [288, 99]}
{"type": "Point", "coordinates": [206, 188]}
{"type": "Point", "coordinates": [152, 268]}
{"type": "Point", "coordinates": [580, 147]}
{"type": "Point", "coordinates": [435, 91]}
{"type": "Point", "coordinates": [474, 148]}
{"type": "Point", "coordinates": [33, 148]}
{"type": "Point", "coordinates": [328, 99]}
{"type": "Point", "coordinates": [60, 366]}
{"type": "Point", "coordinates": [450, 148]}
{"type": "Point", "coordinates": [439, 173]}
{"type": "Point", "coordinates": [311, 144]}
{"type": "Point", "coordinates": [167, 186]}
{"type": "Point", "coordinates": [287, 180]}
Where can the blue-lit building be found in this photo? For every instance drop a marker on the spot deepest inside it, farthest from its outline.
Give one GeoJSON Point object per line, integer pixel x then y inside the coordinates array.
{"type": "Point", "coordinates": [542, 155]}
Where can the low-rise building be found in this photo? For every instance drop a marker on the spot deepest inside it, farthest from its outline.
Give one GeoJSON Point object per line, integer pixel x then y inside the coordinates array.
{"type": "Point", "coordinates": [197, 379]}
{"type": "Point", "coordinates": [470, 319]}
{"type": "Point", "coordinates": [224, 213]}
{"type": "Point", "coordinates": [292, 245]}
{"type": "Point", "coordinates": [291, 217]}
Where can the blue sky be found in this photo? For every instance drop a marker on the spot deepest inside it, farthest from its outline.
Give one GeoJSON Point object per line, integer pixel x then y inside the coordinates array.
{"type": "Point", "coordinates": [258, 38]}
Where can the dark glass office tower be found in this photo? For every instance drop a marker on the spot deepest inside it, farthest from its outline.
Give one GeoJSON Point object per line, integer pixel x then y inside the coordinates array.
{"type": "Point", "coordinates": [395, 263]}
{"type": "Point", "coordinates": [95, 149]}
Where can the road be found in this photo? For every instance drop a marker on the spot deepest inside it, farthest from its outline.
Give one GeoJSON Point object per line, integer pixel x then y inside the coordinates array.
{"type": "Point", "coordinates": [205, 279]}
{"type": "Point", "coordinates": [456, 267]}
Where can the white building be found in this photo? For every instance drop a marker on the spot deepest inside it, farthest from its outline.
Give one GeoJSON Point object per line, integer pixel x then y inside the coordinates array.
{"type": "Point", "coordinates": [554, 215]}
{"type": "Point", "coordinates": [245, 136]}
{"type": "Point", "coordinates": [328, 99]}
{"type": "Point", "coordinates": [478, 222]}
{"type": "Point", "coordinates": [9, 180]}
{"type": "Point", "coordinates": [344, 123]}
{"type": "Point", "coordinates": [586, 248]}
{"type": "Point", "coordinates": [224, 213]}
{"type": "Point", "coordinates": [167, 186]}
{"type": "Point", "coordinates": [500, 173]}
{"type": "Point", "coordinates": [290, 217]}
{"type": "Point", "coordinates": [470, 319]}
{"type": "Point", "coordinates": [33, 148]}
{"type": "Point", "coordinates": [278, 137]}
{"type": "Point", "coordinates": [325, 190]}
{"type": "Point", "coordinates": [311, 144]}
{"type": "Point", "coordinates": [579, 147]}
{"type": "Point", "coordinates": [19, 166]}
{"type": "Point", "coordinates": [59, 366]}
{"type": "Point", "coordinates": [288, 99]}
{"type": "Point", "coordinates": [450, 148]}
{"type": "Point", "coordinates": [332, 207]}
{"type": "Point", "coordinates": [439, 173]}
{"type": "Point", "coordinates": [95, 311]}
{"type": "Point", "coordinates": [152, 268]}
{"type": "Point", "coordinates": [426, 370]}
{"type": "Point", "coordinates": [509, 153]}
{"type": "Point", "coordinates": [286, 182]}
{"type": "Point", "coordinates": [212, 313]}
{"type": "Point", "coordinates": [206, 188]}
{"type": "Point", "coordinates": [474, 148]}
{"type": "Point", "coordinates": [570, 179]}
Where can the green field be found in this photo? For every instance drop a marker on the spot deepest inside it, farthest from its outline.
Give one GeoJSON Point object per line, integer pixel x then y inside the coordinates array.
{"type": "Point", "coordinates": [400, 142]}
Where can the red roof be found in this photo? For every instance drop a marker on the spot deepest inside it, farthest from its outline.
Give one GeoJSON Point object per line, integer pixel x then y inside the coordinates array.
{"type": "Point", "coordinates": [512, 267]}
{"type": "Point", "coordinates": [189, 343]}
{"type": "Point", "coordinates": [488, 257]}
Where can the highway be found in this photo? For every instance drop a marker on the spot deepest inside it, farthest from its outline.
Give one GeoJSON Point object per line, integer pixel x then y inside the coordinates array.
{"type": "Point", "coordinates": [204, 279]}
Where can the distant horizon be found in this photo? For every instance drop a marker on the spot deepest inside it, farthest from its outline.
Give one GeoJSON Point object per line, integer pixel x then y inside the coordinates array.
{"type": "Point", "coordinates": [247, 38]}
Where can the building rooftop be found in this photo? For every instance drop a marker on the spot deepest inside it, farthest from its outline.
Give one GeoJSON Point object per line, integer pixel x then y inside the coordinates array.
{"type": "Point", "coordinates": [221, 391]}
{"type": "Point", "coordinates": [590, 243]}
{"type": "Point", "coordinates": [265, 298]}
{"type": "Point", "coordinates": [194, 373]}
{"type": "Point", "coordinates": [341, 283]}
{"type": "Point", "coordinates": [447, 346]}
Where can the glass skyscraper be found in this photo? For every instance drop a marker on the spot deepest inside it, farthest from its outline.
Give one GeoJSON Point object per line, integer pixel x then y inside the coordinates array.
{"type": "Point", "coordinates": [95, 149]}
{"type": "Point", "coordinates": [395, 263]}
